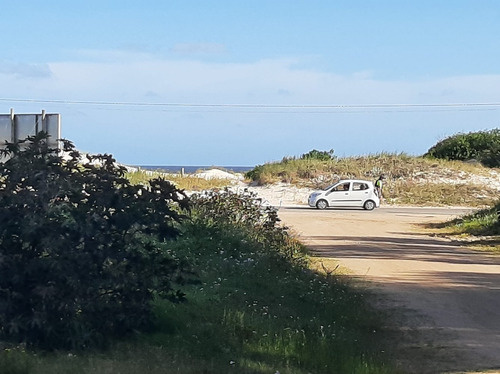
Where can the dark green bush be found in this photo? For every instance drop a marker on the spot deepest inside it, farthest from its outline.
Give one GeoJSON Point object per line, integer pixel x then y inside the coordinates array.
{"type": "Point", "coordinates": [318, 155]}
{"type": "Point", "coordinates": [483, 146]}
{"type": "Point", "coordinates": [255, 173]}
{"type": "Point", "coordinates": [82, 251]}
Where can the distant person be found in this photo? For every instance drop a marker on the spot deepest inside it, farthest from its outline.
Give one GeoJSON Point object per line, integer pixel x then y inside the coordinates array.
{"type": "Point", "coordinates": [379, 183]}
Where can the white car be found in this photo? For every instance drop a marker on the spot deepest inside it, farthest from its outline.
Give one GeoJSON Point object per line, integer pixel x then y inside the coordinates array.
{"type": "Point", "coordinates": [346, 194]}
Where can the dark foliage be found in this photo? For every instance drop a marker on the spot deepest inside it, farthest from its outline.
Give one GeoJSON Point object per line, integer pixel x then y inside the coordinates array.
{"type": "Point", "coordinates": [313, 155]}
{"type": "Point", "coordinates": [318, 155]}
{"type": "Point", "coordinates": [255, 173]}
{"type": "Point", "coordinates": [82, 251]}
{"type": "Point", "coordinates": [483, 146]}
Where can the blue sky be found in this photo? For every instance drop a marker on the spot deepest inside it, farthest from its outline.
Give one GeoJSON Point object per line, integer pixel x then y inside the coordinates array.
{"type": "Point", "coordinates": [244, 83]}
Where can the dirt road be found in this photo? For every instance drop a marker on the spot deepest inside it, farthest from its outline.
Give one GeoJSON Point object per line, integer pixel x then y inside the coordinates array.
{"type": "Point", "coordinates": [446, 297]}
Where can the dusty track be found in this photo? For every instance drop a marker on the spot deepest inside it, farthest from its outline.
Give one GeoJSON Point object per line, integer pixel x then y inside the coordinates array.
{"type": "Point", "coordinates": [446, 298]}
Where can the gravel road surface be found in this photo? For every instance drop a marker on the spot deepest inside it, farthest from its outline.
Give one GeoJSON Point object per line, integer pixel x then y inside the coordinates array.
{"type": "Point", "coordinates": [445, 297]}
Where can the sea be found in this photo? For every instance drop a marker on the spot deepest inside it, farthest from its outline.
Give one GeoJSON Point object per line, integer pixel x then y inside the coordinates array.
{"type": "Point", "coordinates": [192, 169]}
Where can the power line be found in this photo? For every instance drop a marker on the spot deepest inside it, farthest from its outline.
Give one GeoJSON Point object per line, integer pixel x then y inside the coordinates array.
{"type": "Point", "coordinates": [463, 106]}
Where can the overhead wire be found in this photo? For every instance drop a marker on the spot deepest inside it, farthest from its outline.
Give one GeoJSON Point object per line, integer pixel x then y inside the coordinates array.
{"type": "Point", "coordinates": [276, 108]}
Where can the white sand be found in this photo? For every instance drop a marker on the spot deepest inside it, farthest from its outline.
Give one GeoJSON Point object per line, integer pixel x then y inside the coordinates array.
{"type": "Point", "coordinates": [280, 194]}
{"type": "Point", "coordinates": [219, 174]}
{"type": "Point", "coordinates": [277, 195]}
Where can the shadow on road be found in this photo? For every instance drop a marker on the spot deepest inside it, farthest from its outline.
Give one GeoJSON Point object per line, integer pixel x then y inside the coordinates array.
{"type": "Point", "coordinates": [450, 295]}
{"type": "Point", "coordinates": [401, 246]}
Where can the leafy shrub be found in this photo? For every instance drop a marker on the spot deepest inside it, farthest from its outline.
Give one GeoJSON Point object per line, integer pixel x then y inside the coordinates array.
{"type": "Point", "coordinates": [483, 146]}
{"type": "Point", "coordinates": [286, 169]}
{"type": "Point", "coordinates": [82, 251]}
{"type": "Point", "coordinates": [255, 173]}
{"type": "Point", "coordinates": [227, 210]}
{"type": "Point", "coordinates": [318, 155]}
{"type": "Point", "coordinates": [483, 222]}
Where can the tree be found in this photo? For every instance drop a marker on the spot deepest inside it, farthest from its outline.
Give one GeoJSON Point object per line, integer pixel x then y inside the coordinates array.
{"type": "Point", "coordinates": [484, 146]}
{"type": "Point", "coordinates": [318, 155]}
{"type": "Point", "coordinates": [82, 251]}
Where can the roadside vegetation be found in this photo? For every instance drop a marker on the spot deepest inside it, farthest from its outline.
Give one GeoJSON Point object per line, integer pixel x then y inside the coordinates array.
{"type": "Point", "coordinates": [116, 272]}
{"type": "Point", "coordinates": [480, 229]}
{"type": "Point", "coordinates": [483, 146]}
{"type": "Point", "coordinates": [185, 182]}
{"type": "Point", "coordinates": [106, 276]}
{"type": "Point", "coordinates": [409, 180]}
{"type": "Point", "coordinates": [82, 251]}
{"type": "Point", "coordinates": [480, 223]}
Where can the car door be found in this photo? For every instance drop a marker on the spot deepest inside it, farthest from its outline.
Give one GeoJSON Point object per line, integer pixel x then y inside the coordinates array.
{"type": "Point", "coordinates": [359, 194]}
{"type": "Point", "coordinates": [339, 195]}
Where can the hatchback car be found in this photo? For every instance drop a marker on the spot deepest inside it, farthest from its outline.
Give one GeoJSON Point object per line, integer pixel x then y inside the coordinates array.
{"type": "Point", "coordinates": [346, 194]}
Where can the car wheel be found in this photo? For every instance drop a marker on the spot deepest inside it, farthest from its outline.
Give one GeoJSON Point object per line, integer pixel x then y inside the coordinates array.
{"type": "Point", "coordinates": [369, 205]}
{"type": "Point", "coordinates": [322, 204]}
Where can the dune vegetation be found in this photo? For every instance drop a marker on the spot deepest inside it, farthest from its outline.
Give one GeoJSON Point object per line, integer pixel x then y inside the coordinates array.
{"type": "Point", "coordinates": [187, 182]}
{"type": "Point", "coordinates": [410, 180]}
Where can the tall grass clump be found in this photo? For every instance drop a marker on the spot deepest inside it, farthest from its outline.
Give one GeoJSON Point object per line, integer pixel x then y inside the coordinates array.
{"type": "Point", "coordinates": [395, 166]}
{"type": "Point", "coordinates": [430, 193]}
{"type": "Point", "coordinates": [186, 182]}
{"type": "Point", "coordinates": [309, 171]}
{"type": "Point", "coordinates": [484, 222]}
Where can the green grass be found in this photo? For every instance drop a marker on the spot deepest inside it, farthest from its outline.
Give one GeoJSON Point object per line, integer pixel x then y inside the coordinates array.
{"type": "Point", "coordinates": [483, 222]}
{"type": "Point", "coordinates": [480, 229]}
{"type": "Point", "coordinates": [252, 312]}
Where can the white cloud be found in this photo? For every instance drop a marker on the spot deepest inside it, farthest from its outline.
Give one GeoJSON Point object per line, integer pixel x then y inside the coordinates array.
{"type": "Point", "coordinates": [24, 70]}
{"type": "Point", "coordinates": [132, 77]}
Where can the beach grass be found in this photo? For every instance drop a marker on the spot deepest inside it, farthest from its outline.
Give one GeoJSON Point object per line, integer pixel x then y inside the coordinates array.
{"type": "Point", "coordinates": [187, 182]}
{"type": "Point", "coordinates": [409, 180]}
{"type": "Point", "coordinates": [395, 166]}
{"type": "Point", "coordinates": [442, 194]}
